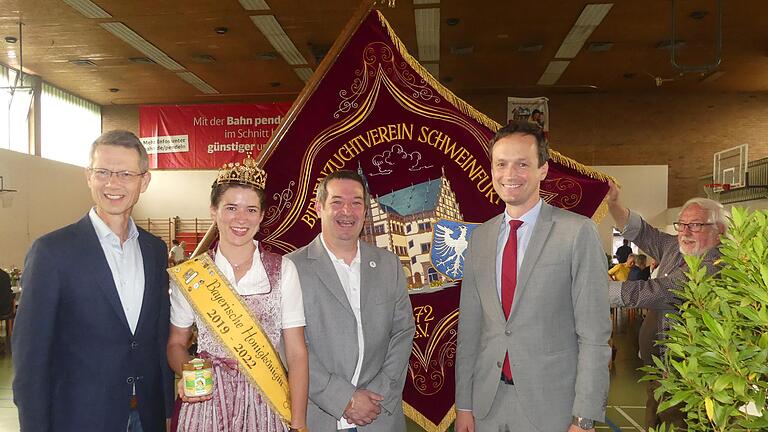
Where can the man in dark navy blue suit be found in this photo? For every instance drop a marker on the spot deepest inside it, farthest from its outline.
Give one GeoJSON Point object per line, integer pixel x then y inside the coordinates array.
{"type": "Point", "coordinates": [91, 330]}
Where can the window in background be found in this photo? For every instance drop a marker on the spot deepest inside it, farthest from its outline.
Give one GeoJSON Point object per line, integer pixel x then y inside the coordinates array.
{"type": "Point", "coordinates": [15, 100]}
{"type": "Point", "coordinates": [68, 124]}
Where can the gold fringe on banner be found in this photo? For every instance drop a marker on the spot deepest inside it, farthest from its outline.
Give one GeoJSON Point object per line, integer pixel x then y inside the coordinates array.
{"type": "Point", "coordinates": [425, 423]}
{"type": "Point", "coordinates": [601, 212]}
{"type": "Point", "coordinates": [470, 111]}
{"type": "Point", "coordinates": [448, 95]}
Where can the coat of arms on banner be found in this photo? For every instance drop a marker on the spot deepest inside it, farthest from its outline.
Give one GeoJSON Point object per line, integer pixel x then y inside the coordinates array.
{"type": "Point", "coordinates": [449, 243]}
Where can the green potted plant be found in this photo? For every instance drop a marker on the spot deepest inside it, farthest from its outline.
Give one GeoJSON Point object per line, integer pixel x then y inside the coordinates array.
{"type": "Point", "coordinates": [716, 364]}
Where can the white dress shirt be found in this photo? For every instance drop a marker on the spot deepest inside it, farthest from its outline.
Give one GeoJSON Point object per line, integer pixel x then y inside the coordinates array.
{"type": "Point", "coordinates": [524, 233]}
{"type": "Point", "coordinates": [255, 281]}
{"type": "Point", "coordinates": [126, 264]}
{"type": "Point", "coordinates": [349, 276]}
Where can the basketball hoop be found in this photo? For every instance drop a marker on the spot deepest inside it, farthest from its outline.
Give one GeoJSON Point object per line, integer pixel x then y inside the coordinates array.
{"type": "Point", "coordinates": [713, 190]}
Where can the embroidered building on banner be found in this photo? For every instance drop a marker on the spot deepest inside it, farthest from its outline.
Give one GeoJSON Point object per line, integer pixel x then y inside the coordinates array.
{"type": "Point", "coordinates": [402, 221]}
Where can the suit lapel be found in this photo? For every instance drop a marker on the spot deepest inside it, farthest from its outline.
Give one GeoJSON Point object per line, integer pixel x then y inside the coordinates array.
{"type": "Point", "coordinates": [149, 270]}
{"type": "Point", "coordinates": [533, 251]}
{"type": "Point", "coordinates": [368, 272]}
{"type": "Point", "coordinates": [326, 271]}
{"type": "Point", "coordinates": [103, 275]}
{"type": "Point", "coordinates": [486, 283]}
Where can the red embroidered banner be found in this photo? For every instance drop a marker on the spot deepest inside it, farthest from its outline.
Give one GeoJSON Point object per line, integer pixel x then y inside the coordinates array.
{"type": "Point", "coordinates": [206, 136]}
{"type": "Point", "coordinates": [423, 152]}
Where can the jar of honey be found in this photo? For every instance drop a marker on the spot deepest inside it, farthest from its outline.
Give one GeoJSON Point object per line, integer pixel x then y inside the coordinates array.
{"type": "Point", "coordinates": [198, 377]}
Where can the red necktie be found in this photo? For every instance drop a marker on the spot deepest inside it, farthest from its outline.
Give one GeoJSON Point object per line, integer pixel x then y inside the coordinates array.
{"type": "Point", "coordinates": [509, 280]}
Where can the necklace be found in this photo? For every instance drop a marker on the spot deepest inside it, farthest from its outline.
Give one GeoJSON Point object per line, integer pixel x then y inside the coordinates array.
{"type": "Point", "coordinates": [238, 266]}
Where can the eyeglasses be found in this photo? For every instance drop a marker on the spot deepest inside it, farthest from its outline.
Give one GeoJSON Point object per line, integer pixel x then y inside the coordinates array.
{"type": "Point", "coordinates": [692, 227]}
{"type": "Point", "coordinates": [103, 175]}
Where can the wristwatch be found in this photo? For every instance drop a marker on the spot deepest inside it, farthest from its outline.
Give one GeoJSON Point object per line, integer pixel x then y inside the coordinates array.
{"type": "Point", "coordinates": [583, 423]}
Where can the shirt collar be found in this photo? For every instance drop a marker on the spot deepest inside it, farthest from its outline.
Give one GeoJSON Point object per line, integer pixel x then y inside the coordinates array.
{"type": "Point", "coordinates": [529, 218]}
{"type": "Point", "coordinates": [103, 232]}
{"type": "Point", "coordinates": [355, 260]}
{"type": "Point", "coordinates": [255, 279]}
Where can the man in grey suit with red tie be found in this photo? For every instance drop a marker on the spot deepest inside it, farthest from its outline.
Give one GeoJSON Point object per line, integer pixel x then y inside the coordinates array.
{"type": "Point", "coordinates": [534, 319]}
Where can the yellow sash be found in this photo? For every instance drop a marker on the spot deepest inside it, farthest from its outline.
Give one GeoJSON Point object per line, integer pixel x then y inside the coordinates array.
{"type": "Point", "coordinates": [222, 309]}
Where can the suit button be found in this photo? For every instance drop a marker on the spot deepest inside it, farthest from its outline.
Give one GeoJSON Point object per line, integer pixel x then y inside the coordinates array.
{"type": "Point", "coordinates": [498, 364]}
{"type": "Point", "coordinates": [134, 344]}
{"type": "Point", "coordinates": [507, 332]}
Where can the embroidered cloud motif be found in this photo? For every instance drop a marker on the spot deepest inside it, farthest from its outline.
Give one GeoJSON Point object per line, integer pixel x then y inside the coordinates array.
{"type": "Point", "coordinates": [388, 159]}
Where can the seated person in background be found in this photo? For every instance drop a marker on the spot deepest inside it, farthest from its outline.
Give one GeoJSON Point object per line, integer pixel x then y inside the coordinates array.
{"type": "Point", "coordinates": [176, 255]}
{"type": "Point", "coordinates": [620, 272]}
{"type": "Point", "coordinates": [640, 271]}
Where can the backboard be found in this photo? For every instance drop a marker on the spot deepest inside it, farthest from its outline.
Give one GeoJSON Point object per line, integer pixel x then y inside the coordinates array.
{"type": "Point", "coordinates": [730, 167]}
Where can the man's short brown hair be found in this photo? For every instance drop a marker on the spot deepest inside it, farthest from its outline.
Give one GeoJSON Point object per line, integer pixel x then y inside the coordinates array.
{"type": "Point", "coordinates": [525, 128]}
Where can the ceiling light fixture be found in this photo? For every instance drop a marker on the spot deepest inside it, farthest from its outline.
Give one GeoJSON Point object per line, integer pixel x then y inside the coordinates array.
{"type": "Point", "coordinates": [83, 62]}
{"type": "Point", "coordinates": [428, 33]}
{"type": "Point", "coordinates": [204, 58]}
{"type": "Point", "coordinates": [220, 30]}
{"type": "Point", "coordinates": [667, 44]}
{"type": "Point", "coordinates": [88, 8]}
{"type": "Point", "coordinates": [462, 50]}
{"type": "Point", "coordinates": [304, 73]}
{"type": "Point", "coordinates": [197, 82]}
{"type": "Point", "coordinates": [276, 36]}
{"type": "Point", "coordinates": [591, 16]}
{"type": "Point", "coordinates": [699, 14]}
{"type": "Point", "coordinates": [267, 56]}
{"type": "Point", "coordinates": [114, 90]}
{"type": "Point", "coordinates": [254, 4]}
{"type": "Point", "coordinates": [452, 21]}
{"type": "Point", "coordinates": [11, 39]}
{"type": "Point", "coordinates": [141, 60]}
{"type": "Point", "coordinates": [530, 47]}
{"type": "Point", "coordinates": [599, 46]}
{"type": "Point", "coordinates": [133, 39]}
{"type": "Point", "coordinates": [554, 70]}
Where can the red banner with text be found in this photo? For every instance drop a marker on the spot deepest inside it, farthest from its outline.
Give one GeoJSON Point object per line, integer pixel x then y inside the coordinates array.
{"type": "Point", "coordinates": [206, 136]}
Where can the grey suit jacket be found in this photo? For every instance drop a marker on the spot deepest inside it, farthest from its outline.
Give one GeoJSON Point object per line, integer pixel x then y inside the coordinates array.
{"type": "Point", "coordinates": [331, 333]}
{"type": "Point", "coordinates": [558, 329]}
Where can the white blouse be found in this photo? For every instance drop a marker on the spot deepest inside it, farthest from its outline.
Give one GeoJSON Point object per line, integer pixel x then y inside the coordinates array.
{"type": "Point", "coordinates": [255, 281]}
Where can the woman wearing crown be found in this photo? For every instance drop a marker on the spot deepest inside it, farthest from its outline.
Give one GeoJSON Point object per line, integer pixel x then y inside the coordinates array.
{"type": "Point", "coordinates": [268, 287]}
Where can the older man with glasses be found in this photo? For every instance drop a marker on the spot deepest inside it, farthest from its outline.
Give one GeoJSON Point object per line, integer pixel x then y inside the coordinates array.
{"type": "Point", "coordinates": [700, 224]}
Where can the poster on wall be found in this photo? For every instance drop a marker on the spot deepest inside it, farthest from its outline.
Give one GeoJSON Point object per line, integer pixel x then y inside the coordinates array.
{"type": "Point", "coordinates": [535, 110]}
{"type": "Point", "coordinates": [206, 136]}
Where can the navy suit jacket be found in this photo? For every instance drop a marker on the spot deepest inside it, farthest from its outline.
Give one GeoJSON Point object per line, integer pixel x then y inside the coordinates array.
{"type": "Point", "coordinates": [74, 356]}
